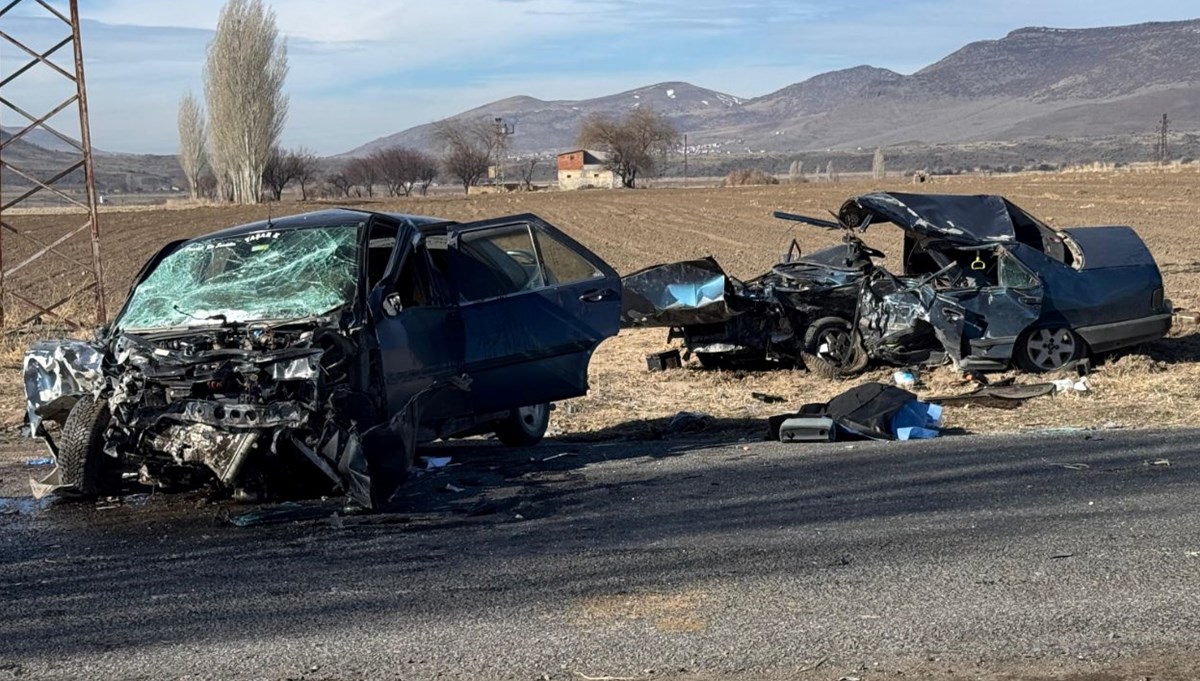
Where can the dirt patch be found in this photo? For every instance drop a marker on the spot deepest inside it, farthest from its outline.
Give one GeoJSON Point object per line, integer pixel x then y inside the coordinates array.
{"type": "Point", "coordinates": [680, 612]}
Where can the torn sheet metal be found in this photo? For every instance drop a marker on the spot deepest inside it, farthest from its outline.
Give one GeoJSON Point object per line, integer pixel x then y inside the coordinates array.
{"type": "Point", "coordinates": [973, 219]}
{"type": "Point", "coordinates": [690, 292]}
{"type": "Point", "coordinates": [57, 374]}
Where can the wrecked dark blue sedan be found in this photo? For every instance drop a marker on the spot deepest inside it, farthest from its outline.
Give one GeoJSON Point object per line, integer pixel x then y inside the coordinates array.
{"type": "Point", "coordinates": [982, 284]}
{"type": "Point", "coordinates": [314, 352]}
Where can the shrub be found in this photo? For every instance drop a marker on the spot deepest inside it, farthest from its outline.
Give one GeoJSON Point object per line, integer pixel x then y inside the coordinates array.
{"type": "Point", "coordinates": [744, 177]}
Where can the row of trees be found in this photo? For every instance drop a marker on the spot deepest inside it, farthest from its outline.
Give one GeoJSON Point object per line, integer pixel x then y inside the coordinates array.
{"type": "Point", "coordinates": [399, 170]}
{"type": "Point", "coordinates": [238, 136]}
{"type": "Point", "coordinates": [229, 143]}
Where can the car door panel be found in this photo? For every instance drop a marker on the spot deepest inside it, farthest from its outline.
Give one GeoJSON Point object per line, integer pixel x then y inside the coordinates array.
{"type": "Point", "coordinates": [420, 345]}
{"type": "Point", "coordinates": [996, 315]}
{"type": "Point", "coordinates": [531, 345]}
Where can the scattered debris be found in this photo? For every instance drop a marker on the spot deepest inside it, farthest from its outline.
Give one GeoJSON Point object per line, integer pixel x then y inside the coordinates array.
{"type": "Point", "coordinates": [433, 463]}
{"type": "Point", "coordinates": [557, 456]}
{"type": "Point", "coordinates": [813, 666]}
{"type": "Point", "coordinates": [905, 378]}
{"type": "Point", "coordinates": [1072, 385]}
{"type": "Point", "coordinates": [766, 398]}
{"type": "Point", "coordinates": [1160, 462]}
{"type": "Point", "coordinates": [1061, 556]}
{"type": "Point", "coordinates": [585, 677]}
{"type": "Point", "coordinates": [1069, 466]}
{"type": "Point", "coordinates": [689, 422]}
{"type": "Point", "coordinates": [873, 411]}
{"type": "Point", "coordinates": [42, 461]}
{"type": "Point", "coordinates": [661, 361]}
{"type": "Point", "coordinates": [289, 512]}
{"type": "Point", "coordinates": [997, 396]}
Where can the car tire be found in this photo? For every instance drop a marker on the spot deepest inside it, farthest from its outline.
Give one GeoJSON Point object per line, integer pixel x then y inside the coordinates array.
{"type": "Point", "coordinates": [1048, 348]}
{"type": "Point", "coordinates": [832, 350]}
{"type": "Point", "coordinates": [86, 471]}
{"type": "Point", "coordinates": [524, 427]}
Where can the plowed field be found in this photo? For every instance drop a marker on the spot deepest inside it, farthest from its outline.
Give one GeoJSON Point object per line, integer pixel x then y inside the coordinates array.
{"type": "Point", "coordinates": [1150, 386]}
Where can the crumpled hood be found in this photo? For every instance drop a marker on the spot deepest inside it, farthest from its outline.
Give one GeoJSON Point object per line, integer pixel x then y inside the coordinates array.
{"type": "Point", "coordinates": [960, 218]}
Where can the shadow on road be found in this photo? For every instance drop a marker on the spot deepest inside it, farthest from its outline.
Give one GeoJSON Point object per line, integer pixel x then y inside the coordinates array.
{"type": "Point", "coordinates": [509, 527]}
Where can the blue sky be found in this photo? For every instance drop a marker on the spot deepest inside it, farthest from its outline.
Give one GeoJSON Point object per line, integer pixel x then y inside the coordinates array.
{"type": "Point", "coordinates": [365, 68]}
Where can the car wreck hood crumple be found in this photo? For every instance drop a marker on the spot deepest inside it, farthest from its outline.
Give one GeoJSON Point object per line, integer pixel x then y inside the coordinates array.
{"type": "Point", "coordinates": [964, 219]}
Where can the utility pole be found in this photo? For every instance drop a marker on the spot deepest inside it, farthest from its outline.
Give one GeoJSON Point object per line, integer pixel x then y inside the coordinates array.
{"type": "Point", "coordinates": [503, 132]}
{"type": "Point", "coordinates": [685, 159]}
{"type": "Point", "coordinates": [67, 272]}
{"type": "Point", "coordinates": [1162, 141]}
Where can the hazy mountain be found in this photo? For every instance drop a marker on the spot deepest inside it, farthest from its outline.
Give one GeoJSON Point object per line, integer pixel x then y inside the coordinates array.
{"type": "Point", "coordinates": [542, 125]}
{"type": "Point", "coordinates": [1034, 82]}
{"type": "Point", "coordinates": [43, 139]}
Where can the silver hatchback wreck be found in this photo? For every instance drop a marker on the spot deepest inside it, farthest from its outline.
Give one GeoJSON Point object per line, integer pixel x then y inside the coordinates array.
{"type": "Point", "coordinates": [310, 354]}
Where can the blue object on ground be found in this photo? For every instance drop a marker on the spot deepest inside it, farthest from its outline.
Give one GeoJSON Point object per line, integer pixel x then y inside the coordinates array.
{"type": "Point", "coordinates": [917, 421]}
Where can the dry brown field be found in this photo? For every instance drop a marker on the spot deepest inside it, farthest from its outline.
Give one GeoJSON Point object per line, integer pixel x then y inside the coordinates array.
{"type": "Point", "coordinates": [1154, 385]}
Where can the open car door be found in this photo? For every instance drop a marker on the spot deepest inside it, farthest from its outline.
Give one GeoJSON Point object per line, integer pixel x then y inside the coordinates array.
{"type": "Point", "coordinates": [534, 305]}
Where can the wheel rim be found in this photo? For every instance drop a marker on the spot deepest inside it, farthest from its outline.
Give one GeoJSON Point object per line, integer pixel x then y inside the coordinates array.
{"type": "Point", "coordinates": [834, 345]}
{"type": "Point", "coordinates": [531, 417]}
{"type": "Point", "coordinates": [1051, 348]}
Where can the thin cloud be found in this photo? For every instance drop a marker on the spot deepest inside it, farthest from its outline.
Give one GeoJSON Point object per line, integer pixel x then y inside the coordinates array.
{"type": "Point", "coordinates": [361, 69]}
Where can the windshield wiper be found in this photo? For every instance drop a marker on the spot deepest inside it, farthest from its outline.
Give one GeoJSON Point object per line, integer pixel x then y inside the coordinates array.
{"type": "Point", "coordinates": [216, 317]}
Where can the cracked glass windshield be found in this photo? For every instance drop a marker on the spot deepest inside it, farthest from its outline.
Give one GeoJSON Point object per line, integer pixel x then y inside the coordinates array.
{"type": "Point", "coordinates": [266, 275]}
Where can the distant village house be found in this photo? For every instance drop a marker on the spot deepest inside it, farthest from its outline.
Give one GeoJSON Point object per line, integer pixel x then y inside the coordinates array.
{"type": "Point", "coordinates": [583, 168]}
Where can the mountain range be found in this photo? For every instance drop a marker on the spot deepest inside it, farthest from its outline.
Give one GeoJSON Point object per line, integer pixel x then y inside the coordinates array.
{"type": "Point", "coordinates": [1032, 83]}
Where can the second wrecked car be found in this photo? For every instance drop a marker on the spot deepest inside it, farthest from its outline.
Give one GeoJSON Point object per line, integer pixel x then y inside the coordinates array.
{"type": "Point", "coordinates": [983, 284]}
{"type": "Point", "coordinates": [315, 351]}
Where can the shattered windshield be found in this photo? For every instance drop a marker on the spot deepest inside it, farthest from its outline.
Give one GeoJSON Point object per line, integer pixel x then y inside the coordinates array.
{"type": "Point", "coordinates": [281, 274]}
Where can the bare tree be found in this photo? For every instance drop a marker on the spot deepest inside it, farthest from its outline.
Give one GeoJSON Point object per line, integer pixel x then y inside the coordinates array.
{"type": "Point", "coordinates": [470, 147]}
{"type": "Point", "coordinates": [402, 169]}
{"type": "Point", "coordinates": [340, 183]}
{"type": "Point", "coordinates": [363, 174]}
{"type": "Point", "coordinates": [878, 169]}
{"type": "Point", "coordinates": [207, 185]}
{"type": "Point", "coordinates": [191, 142]}
{"type": "Point", "coordinates": [426, 172]}
{"type": "Point", "coordinates": [527, 168]}
{"type": "Point", "coordinates": [635, 145]}
{"type": "Point", "coordinates": [796, 172]}
{"type": "Point", "coordinates": [280, 171]}
{"type": "Point", "coordinates": [391, 163]}
{"type": "Point", "coordinates": [831, 173]}
{"type": "Point", "coordinates": [243, 86]}
{"type": "Point", "coordinates": [306, 167]}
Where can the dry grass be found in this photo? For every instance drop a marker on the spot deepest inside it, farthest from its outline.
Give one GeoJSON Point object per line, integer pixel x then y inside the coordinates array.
{"type": "Point", "coordinates": [1154, 385]}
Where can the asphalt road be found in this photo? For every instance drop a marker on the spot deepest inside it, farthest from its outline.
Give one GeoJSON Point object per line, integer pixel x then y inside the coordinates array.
{"type": "Point", "coordinates": [1072, 555]}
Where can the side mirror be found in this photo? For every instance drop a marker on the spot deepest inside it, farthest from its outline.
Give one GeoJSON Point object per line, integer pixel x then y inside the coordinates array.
{"type": "Point", "coordinates": [102, 332]}
{"type": "Point", "coordinates": [392, 304]}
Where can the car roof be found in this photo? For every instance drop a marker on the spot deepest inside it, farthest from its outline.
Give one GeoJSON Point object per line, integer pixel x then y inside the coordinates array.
{"type": "Point", "coordinates": [956, 217]}
{"type": "Point", "coordinates": [332, 217]}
